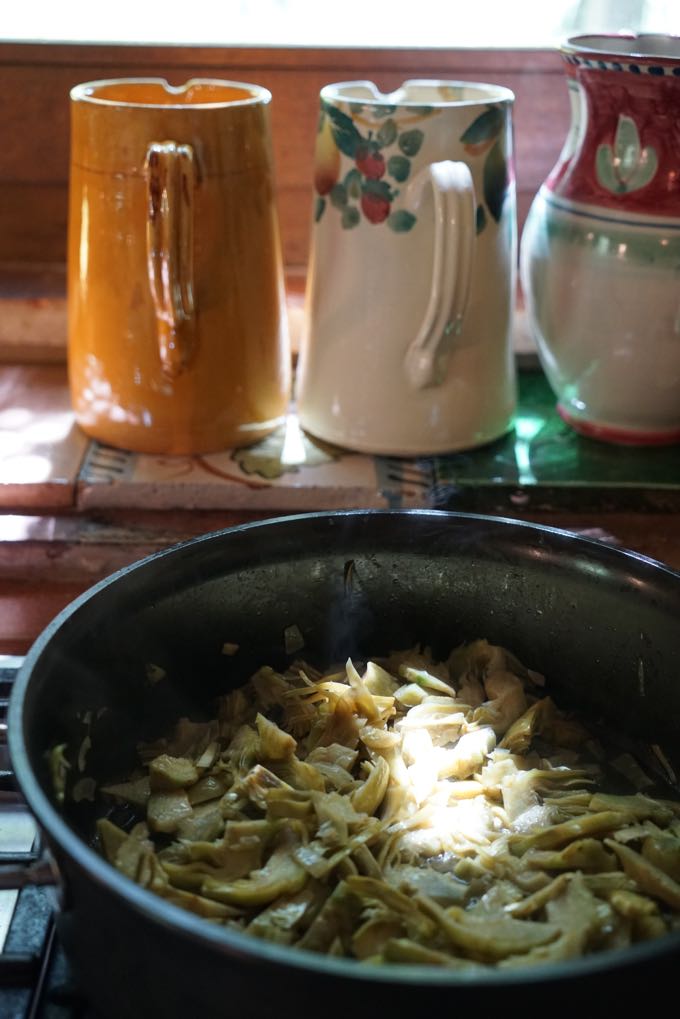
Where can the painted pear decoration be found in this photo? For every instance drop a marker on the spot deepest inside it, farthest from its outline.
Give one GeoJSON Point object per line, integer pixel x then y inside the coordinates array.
{"type": "Point", "coordinates": [483, 138]}
{"type": "Point", "coordinates": [625, 167]}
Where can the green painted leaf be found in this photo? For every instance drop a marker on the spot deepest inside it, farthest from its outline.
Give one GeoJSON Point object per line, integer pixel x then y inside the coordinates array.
{"type": "Point", "coordinates": [480, 218]}
{"type": "Point", "coordinates": [410, 141]}
{"type": "Point", "coordinates": [486, 126]}
{"type": "Point", "coordinates": [495, 180]}
{"type": "Point", "coordinates": [605, 171]}
{"type": "Point", "coordinates": [401, 221]}
{"type": "Point", "coordinates": [626, 146]}
{"type": "Point", "coordinates": [353, 183]}
{"type": "Point", "coordinates": [645, 170]}
{"type": "Point", "coordinates": [399, 167]}
{"type": "Point", "coordinates": [338, 196]}
{"type": "Point", "coordinates": [422, 111]}
{"type": "Point", "coordinates": [619, 177]}
{"type": "Point", "coordinates": [345, 134]}
{"type": "Point", "coordinates": [383, 111]}
{"type": "Point", "coordinates": [387, 134]}
{"type": "Point", "coordinates": [319, 208]}
{"type": "Point", "coordinates": [369, 186]}
{"type": "Point", "coordinates": [350, 217]}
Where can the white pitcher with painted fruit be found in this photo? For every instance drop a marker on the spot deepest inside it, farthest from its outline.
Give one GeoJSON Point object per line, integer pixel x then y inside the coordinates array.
{"type": "Point", "coordinates": [407, 343]}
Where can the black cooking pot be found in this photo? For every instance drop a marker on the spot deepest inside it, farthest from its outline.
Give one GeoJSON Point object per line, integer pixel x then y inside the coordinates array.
{"type": "Point", "coordinates": [602, 624]}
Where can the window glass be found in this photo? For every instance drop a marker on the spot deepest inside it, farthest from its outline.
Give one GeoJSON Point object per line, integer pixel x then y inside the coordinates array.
{"type": "Point", "coordinates": [381, 23]}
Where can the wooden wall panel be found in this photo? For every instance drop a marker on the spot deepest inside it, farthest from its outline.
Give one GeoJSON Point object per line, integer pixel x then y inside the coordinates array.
{"type": "Point", "coordinates": [33, 218]}
{"type": "Point", "coordinates": [35, 81]}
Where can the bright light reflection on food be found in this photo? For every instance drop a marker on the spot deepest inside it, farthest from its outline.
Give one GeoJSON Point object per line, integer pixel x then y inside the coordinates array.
{"type": "Point", "coordinates": [445, 814]}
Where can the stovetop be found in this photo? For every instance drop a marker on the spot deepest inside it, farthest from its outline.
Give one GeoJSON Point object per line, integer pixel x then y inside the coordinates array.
{"type": "Point", "coordinates": [35, 981]}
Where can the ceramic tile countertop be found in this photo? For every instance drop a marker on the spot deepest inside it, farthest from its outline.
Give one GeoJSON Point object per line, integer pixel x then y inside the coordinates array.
{"type": "Point", "coordinates": [41, 448]}
{"type": "Point", "coordinates": [72, 511]}
{"type": "Point", "coordinates": [46, 463]}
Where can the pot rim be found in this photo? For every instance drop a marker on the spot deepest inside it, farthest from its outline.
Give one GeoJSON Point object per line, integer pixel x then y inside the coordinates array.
{"type": "Point", "coordinates": [248, 949]}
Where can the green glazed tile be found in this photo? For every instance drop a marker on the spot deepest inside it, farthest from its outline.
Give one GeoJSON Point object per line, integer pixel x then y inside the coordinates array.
{"type": "Point", "coordinates": [545, 463]}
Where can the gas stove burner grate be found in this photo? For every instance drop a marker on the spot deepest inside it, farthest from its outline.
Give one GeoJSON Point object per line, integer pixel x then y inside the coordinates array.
{"type": "Point", "coordinates": [35, 981]}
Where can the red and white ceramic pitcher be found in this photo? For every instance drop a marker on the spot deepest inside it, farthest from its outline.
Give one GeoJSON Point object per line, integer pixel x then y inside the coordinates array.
{"type": "Point", "coordinates": [600, 253]}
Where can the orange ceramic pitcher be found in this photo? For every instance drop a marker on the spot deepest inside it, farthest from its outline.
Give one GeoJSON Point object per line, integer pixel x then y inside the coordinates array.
{"type": "Point", "coordinates": [177, 328]}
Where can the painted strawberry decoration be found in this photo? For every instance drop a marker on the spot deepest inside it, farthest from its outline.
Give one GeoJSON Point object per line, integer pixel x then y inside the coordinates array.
{"type": "Point", "coordinates": [381, 158]}
{"type": "Point", "coordinates": [375, 207]}
{"type": "Point", "coordinates": [370, 161]}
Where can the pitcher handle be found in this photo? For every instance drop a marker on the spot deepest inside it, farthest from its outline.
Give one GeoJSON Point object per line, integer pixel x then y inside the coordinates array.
{"type": "Point", "coordinates": [170, 177]}
{"type": "Point", "coordinates": [427, 357]}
